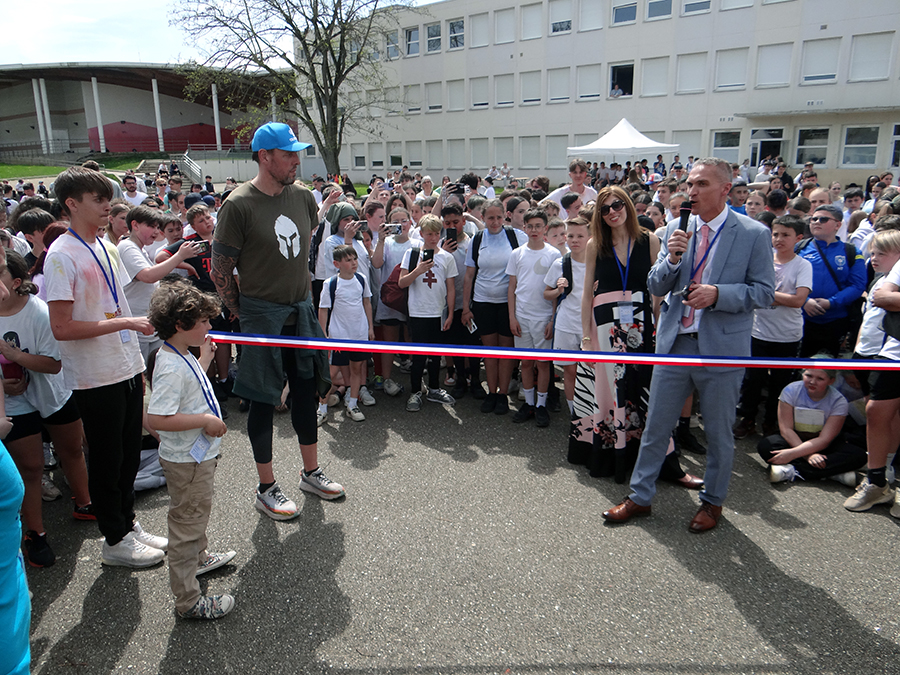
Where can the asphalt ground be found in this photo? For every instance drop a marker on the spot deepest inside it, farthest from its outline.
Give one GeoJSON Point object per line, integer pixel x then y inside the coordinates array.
{"type": "Point", "coordinates": [468, 545]}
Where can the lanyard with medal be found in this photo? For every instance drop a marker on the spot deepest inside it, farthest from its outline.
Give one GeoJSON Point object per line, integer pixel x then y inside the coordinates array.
{"type": "Point", "coordinates": [626, 308]}
{"type": "Point", "coordinates": [202, 444]}
{"type": "Point", "coordinates": [125, 335]}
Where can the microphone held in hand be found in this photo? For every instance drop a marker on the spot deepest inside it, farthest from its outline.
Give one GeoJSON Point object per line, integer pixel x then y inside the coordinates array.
{"type": "Point", "coordinates": [685, 215]}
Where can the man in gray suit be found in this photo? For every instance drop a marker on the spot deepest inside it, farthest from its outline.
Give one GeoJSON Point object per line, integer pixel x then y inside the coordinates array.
{"type": "Point", "coordinates": [724, 260]}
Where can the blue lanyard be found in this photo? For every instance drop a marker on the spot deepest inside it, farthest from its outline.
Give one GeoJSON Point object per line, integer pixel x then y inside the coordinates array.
{"type": "Point", "coordinates": [624, 274]}
{"type": "Point", "coordinates": [709, 247]}
{"type": "Point", "coordinates": [110, 281]}
{"type": "Point", "coordinates": [207, 394]}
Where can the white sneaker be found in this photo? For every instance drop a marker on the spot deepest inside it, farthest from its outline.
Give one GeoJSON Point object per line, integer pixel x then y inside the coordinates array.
{"type": "Point", "coordinates": [779, 473]}
{"type": "Point", "coordinates": [847, 478]}
{"type": "Point", "coordinates": [148, 539]}
{"type": "Point", "coordinates": [131, 553]}
{"type": "Point", "coordinates": [392, 388]}
{"type": "Point", "coordinates": [275, 504]}
{"type": "Point", "coordinates": [355, 414]}
{"type": "Point", "coordinates": [868, 495]}
{"type": "Point", "coordinates": [210, 607]}
{"type": "Point", "coordinates": [320, 418]}
{"type": "Point", "coordinates": [895, 509]}
{"type": "Point", "coordinates": [49, 491]}
{"type": "Point", "coordinates": [365, 397]}
{"type": "Point", "coordinates": [890, 474]}
{"type": "Point", "coordinates": [320, 484]}
{"type": "Point", "coordinates": [50, 460]}
{"type": "Point", "coordinates": [214, 561]}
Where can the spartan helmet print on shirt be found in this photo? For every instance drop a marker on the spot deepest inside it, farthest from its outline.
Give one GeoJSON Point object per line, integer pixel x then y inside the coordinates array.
{"type": "Point", "coordinates": [288, 236]}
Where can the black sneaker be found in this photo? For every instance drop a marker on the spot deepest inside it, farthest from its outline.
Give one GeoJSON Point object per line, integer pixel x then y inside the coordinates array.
{"type": "Point", "coordinates": [37, 550]}
{"type": "Point", "coordinates": [687, 441]}
{"type": "Point", "coordinates": [553, 399]}
{"type": "Point", "coordinates": [542, 416]}
{"type": "Point", "coordinates": [525, 413]}
{"type": "Point", "coordinates": [222, 390]}
{"type": "Point", "coordinates": [85, 512]}
{"type": "Point", "coordinates": [489, 402]}
{"type": "Point", "coordinates": [477, 390]}
{"type": "Point", "coordinates": [244, 405]}
{"type": "Point", "coordinates": [501, 404]}
{"type": "Point", "coordinates": [458, 391]}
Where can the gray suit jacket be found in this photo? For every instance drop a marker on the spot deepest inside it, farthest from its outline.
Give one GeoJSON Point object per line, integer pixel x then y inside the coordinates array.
{"type": "Point", "coordinates": [742, 269]}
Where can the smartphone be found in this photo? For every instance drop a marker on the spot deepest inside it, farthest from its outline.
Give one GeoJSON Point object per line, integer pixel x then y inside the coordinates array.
{"type": "Point", "coordinates": [393, 229]}
{"type": "Point", "coordinates": [428, 255]}
{"type": "Point", "coordinates": [471, 326]}
{"type": "Point", "coordinates": [452, 234]}
{"type": "Point", "coordinates": [363, 225]}
{"type": "Point", "coordinates": [203, 246]}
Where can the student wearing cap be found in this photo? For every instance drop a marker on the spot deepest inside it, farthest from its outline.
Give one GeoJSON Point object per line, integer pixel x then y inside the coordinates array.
{"type": "Point", "coordinates": [263, 231]}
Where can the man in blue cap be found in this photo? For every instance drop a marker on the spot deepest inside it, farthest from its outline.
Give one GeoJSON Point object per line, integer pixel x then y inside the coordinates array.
{"type": "Point", "coordinates": [263, 230]}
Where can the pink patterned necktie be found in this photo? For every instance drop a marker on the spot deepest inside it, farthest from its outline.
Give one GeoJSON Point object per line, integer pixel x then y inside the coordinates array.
{"type": "Point", "coordinates": [698, 275]}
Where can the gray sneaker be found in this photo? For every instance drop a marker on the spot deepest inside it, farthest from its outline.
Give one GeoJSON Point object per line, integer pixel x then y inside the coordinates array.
{"type": "Point", "coordinates": [320, 484]}
{"type": "Point", "coordinates": [131, 553]}
{"type": "Point", "coordinates": [392, 388]}
{"type": "Point", "coordinates": [868, 495]}
{"type": "Point", "coordinates": [440, 396]}
{"type": "Point", "coordinates": [210, 607]}
{"type": "Point", "coordinates": [214, 561]}
{"type": "Point", "coordinates": [414, 402]}
{"type": "Point", "coordinates": [895, 509]}
{"type": "Point", "coordinates": [365, 397]}
{"type": "Point", "coordinates": [275, 504]}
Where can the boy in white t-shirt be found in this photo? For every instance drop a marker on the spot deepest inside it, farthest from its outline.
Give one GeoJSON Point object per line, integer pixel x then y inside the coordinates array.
{"type": "Point", "coordinates": [777, 330]}
{"type": "Point", "coordinates": [432, 297]}
{"type": "Point", "coordinates": [347, 296]}
{"type": "Point", "coordinates": [91, 319]}
{"type": "Point", "coordinates": [567, 298]}
{"type": "Point", "coordinates": [143, 230]}
{"type": "Point", "coordinates": [531, 314]}
{"type": "Point", "coordinates": [184, 410]}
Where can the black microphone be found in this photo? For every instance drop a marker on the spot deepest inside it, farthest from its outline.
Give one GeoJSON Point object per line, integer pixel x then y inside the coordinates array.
{"type": "Point", "coordinates": [685, 216]}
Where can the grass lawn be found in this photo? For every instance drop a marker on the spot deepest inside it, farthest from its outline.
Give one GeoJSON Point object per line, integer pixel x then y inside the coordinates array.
{"type": "Point", "coordinates": [14, 171]}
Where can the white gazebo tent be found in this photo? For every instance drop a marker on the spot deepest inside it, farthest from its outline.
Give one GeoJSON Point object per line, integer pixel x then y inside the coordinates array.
{"type": "Point", "coordinates": [622, 140]}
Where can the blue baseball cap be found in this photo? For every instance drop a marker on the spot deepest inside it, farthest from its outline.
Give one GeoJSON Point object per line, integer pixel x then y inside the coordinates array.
{"type": "Point", "coordinates": [276, 135]}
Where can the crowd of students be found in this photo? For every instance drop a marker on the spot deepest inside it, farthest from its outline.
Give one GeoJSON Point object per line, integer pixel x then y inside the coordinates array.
{"type": "Point", "coordinates": [431, 265]}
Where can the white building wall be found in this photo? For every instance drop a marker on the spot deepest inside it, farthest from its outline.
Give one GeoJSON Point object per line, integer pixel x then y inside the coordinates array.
{"type": "Point", "coordinates": [693, 76]}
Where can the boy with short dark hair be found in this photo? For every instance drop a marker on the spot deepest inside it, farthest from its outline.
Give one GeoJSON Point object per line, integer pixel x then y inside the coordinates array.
{"type": "Point", "coordinates": [183, 409]}
{"type": "Point", "coordinates": [101, 361]}
{"type": "Point", "coordinates": [32, 224]}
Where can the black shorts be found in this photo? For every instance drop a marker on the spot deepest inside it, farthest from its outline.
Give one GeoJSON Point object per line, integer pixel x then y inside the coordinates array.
{"type": "Point", "coordinates": [884, 385]}
{"type": "Point", "coordinates": [492, 318]}
{"type": "Point", "coordinates": [66, 415]}
{"type": "Point", "coordinates": [344, 358]}
{"type": "Point", "coordinates": [863, 375]}
{"type": "Point", "coordinates": [389, 322]}
{"type": "Point", "coordinates": [24, 426]}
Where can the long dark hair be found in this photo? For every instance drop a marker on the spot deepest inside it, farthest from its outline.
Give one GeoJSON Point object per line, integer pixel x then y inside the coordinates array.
{"type": "Point", "coordinates": [601, 232]}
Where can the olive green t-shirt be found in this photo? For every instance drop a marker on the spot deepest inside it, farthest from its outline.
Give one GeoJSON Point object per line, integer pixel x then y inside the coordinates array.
{"type": "Point", "coordinates": [273, 235]}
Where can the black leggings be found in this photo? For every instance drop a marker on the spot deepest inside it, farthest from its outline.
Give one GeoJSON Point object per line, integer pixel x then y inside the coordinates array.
{"type": "Point", "coordinates": [426, 331]}
{"type": "Point", "coordinates": [304, 401]}
{"type": "Point", "coordinates": [840, 457]}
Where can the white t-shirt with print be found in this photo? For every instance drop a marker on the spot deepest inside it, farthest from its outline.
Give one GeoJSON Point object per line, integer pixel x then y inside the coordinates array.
{"type": "Point", "coordinates": [71, 274]}
{"type": "Point", "coordinates": [348, 316]}
{"type": "Point", "coordinates": [491, 280]}
{"type": "Point", "coordinates": [530, 266]}
{"type": "Point", "coordinates": [428, 292]}
{"type": "Point", "coordinates": [810, 416]}
{"type": "Point", "coordinates": [568, 313]}
{"type": "Point", "coordinates": [177, 389]}
{"type": "Point", "coordinates": [778, 323]}
{"type": "Point", "coordinates": [29, 330]}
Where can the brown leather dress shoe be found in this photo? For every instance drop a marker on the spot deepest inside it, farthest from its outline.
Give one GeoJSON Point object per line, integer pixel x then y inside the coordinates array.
{"type": "Point", "coordinates": [690, 482]}
{"type": "Point", "coordinates": [706, 519]}
{"type": "Point", "coordinates": [625, 510]}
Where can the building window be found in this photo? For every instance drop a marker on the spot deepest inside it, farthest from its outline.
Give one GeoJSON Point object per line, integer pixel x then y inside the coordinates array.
{"type": "Point", "coordinates": [503, 90]}
{"type": "Point", "coordinates": [456, 153]}
{"type": "Point", "coordinates": [530, 152]}
{"type": "Point", "coordinates": [860, 146]}
{"type": "Point", "coordinates": [690, 76]}
{"type": "Point", "coordinates": [504, 26]}
{"type": "Point", "coordinates": [412, 41]}
{"type": "Point", "coordinates": [731, 68]}
{"type": "Point", "coordinates": [433, 96]}
{"type": "Point", "coordinates": [655, 76]}
{"type": "Point", "coordinates": [591, 16]}
{"type": "Point", "coordinates": [895, 146]}
{"type": "Point", "coordinates": [557, 147]}
{"type": "Point", "coordinates": [434, 154]}
{"type": "Point", "coordinates": [395, 156]}
{"type": "Point", "coordinates": [311, 151]}
{"type": "Point", "coordinates": [560, 16]}
{"type": "Point", "coordinates": [376, 152]}
{"type": "Point", "coordinates": [414, 153]}
{"type": "Point", "coordinates": [375, 103]}
{"type": "Point", "coordinates": [773, 65]}
{"type": "Point", "coordinates": [558, 85]}
{"type": "Point", "coordinates": [392, 100]}
{"type": "Point", "coordinates": [659, 9]}
{"type": "Point", "coordinates": [532, 21]}
{"type": "Point", "coordinates": [358, 150]}
{"type": "Point", "coordinates": [624, 12]}
{"type": "Point", "coordinates": [812, 146]}
{"type": "Point", "coordinates": [689, 140]}
{"type": "Point", "coordinates": [413, 98]}
{"type": "Point", "coordinates": [503, 150]}
{"type": "Point", "coordinates": [456, 95]}
{"type": "Point", "coordinates": [456, 29]}
{"type": "Point", "coordinates": [820, 61]}
{"type": "Point", "coordinates": [727, 145]}
{"type": "Point", "coordinates": [621, 80]}
{"type": "Point", "coordinates": [772, 2]}
{"type": "Point", "coordinates": [433, 32]}
{"type": "Point", "coordinates": [695, 7]}
{"type": "Point", "coordinates": [478, 149]}
{"type": "Point", "coordinates": [735, 4]}
{"type": "Point", "coordinates": [870, 57]}
{"type": "Point", "coordinates": [589, 82]}
{"type": "Point", "coordinates": [480, 92]}
{"type": "Point", "coordinates": [393, 44]}
{"type": "Point", "coordinates": [530, 83]}
{"type": "Point", "coordinates": [478, 27]}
